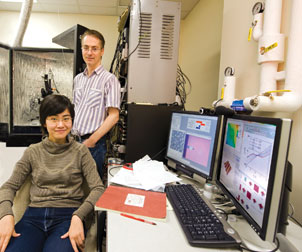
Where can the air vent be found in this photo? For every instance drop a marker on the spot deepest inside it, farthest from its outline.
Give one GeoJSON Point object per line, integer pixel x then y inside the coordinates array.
{"type": "Point", "coordinates": [167, 35]}
{"type": "Point", "coordinates": [144, 48]}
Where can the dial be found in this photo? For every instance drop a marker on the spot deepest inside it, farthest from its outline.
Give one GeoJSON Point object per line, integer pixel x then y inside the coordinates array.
{"type": "Point", "coordinates": [258, 8]}
{"type": "Point", "coordinates": [229, 71]}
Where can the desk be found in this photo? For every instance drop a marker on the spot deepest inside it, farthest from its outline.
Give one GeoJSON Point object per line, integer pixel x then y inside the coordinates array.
{"type": "Point", "coordinates": [127, 235]}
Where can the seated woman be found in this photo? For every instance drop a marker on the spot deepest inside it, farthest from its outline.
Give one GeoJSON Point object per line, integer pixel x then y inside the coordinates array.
{"type": "Point", "coordinates": [57, 166]}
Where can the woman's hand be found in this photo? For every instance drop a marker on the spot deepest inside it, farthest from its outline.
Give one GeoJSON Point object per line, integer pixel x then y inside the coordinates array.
{"type": "Point", "coordinates": [76, 234]}
{"type": "Point", "coordinates": [7, 230]}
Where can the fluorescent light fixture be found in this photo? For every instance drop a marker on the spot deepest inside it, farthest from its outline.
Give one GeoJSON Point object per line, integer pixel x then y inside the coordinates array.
{"type": "Point", "coordinates": [15, 1]}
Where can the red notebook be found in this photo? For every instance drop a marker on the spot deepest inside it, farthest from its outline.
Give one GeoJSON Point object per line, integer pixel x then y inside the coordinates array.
{"type": "Point", "coordinates": [133, 201]}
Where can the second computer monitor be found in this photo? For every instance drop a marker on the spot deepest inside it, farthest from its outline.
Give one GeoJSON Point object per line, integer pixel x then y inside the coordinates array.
{"type": "Point", "coordinates": [253, 168]}
{"type": "Point", "coordinates": [192, 144]}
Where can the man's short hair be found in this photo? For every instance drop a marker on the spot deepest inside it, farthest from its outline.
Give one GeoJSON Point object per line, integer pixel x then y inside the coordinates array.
{"type": "Point", "coordinates": [95, 34]}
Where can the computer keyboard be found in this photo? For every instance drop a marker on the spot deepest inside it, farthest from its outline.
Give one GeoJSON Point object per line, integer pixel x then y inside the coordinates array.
{"type": "Point", "coordinates": [201, 223]}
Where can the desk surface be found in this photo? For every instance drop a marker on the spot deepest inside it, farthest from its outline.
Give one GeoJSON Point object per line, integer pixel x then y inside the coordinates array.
{"type": "Point", "coordinates": [128, 235]}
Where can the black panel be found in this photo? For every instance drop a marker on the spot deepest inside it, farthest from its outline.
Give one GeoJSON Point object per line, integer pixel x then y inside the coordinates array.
{"type": "Point", "coordinates": [27, 129]}
{"type": "Point", "coordinates": [147, 131]}
{"type": "Point", "coordinates": [71, 39]}
{"type": "Point", "coordinates": [3, 131]}
{"type": "Point", "coordinates": [4, 122]}
{"type": "Point", "coordinates": [23, 140]}
{"type": "Point", "coordinates": [24, 136]}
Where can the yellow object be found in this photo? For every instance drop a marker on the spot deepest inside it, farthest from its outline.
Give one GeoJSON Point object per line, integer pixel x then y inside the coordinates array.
{"type": "Point", "coordinates": [250, 34]}
{"type": "Point", "coordinates": [269, 93]}
{"type": "Point", "coordinates": [264, 50]}
{"type": "Point", "coordinates": [222, 93]}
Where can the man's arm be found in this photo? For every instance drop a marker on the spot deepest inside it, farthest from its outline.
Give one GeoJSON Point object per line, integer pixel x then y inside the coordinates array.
{"type": "Point", "coordinates": [110, 121]}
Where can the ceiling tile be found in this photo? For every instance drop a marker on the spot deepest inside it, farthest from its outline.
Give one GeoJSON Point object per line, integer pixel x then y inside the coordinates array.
{"type": "Point", "coordinates": [105, 3]}
{"type": "Point", "coordinates": [98, 10]}
{"type": "Point", "coordinates": [98, 7]}
{"type": "Point", "coordinates": [61, 8]}
{"type": "Point", "coordinates": [56, 2]}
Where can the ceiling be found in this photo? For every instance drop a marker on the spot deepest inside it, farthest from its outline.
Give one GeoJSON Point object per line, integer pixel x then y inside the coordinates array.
{"type": "Point", "coordinates": [94, 7]}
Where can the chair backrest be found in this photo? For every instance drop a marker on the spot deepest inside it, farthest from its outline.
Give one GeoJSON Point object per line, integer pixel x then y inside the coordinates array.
{"type": "Point", "coordinates": [21, 200]}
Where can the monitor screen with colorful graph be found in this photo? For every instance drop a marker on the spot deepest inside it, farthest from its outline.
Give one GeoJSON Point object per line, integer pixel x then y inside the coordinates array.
{"type": "Point", "coordinates": [192, 142]}
{"type": "Point", "coordinates": [252, 168]}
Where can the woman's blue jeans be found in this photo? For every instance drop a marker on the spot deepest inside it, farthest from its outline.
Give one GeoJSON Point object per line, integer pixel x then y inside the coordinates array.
{"type": "Point", "coordinates": [41, 230]}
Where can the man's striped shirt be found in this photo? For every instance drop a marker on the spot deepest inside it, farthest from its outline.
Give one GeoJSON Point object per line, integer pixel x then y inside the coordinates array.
{"type": "Point", "coordinates": [92, 95]}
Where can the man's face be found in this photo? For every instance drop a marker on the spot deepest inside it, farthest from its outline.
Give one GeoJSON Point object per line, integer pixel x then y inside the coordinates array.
{"type": "Point", "coordinates": [92, 51]}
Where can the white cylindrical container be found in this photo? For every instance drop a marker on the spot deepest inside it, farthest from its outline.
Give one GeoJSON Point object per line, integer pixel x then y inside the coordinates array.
{"type": "Point", "coordinates": [293, 79]}
{"type": "Point", "coordinates": [229, 88]}
{"type": "Point", "coordinates": [258, 26]}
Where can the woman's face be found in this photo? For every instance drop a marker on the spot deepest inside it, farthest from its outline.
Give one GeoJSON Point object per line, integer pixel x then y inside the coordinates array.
{"type": "Point", "coordinates": [59, 126]}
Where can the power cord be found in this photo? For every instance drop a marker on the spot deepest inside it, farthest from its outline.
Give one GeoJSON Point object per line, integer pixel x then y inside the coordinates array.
{"type": "Point", "coordinates": [181, 81]}
{"type": "Point", "coordinates": [140, 30]}
{"type": "Point", "coordinates": [154, 156]}
{"type": "Point", "coordinates": [114, 167]}
{"type": "Point", "coordinates": [296, 221]}
{"type": "Point", "coordinates": [291, 215]}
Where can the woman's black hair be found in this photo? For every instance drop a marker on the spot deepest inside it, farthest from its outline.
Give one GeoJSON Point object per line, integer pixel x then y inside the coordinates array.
{"type": "Point", "coordinates": [52, 105]}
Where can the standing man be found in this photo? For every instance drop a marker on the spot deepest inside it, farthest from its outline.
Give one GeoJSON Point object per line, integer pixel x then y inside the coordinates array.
{"type": "Point", "coordinates": [96, 96]}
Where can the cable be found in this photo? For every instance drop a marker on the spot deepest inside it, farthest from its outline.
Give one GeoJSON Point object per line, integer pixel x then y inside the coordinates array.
{"type": "Point", "coordinates": [115, 167]}
{"type": "Point", "coordinates": [116, 51]}
{"type": "Point", "coordinates": [140, 30]}
{"type": "Point", "coordinates": [53, 79]}
{"type": "Point", "coordinates": [291, 215]}
{"type": "Point", "coordinates": [215, 104]}
{"type": "Point", "coordinates": [223, 212]}
{"type": "Point", "coordinates": [181, 81]}
{"type": "Point", "coordinates": [295, 220]}
{"type": "Point", "coordinates": [224, 202]}
{"type": "Point", "coordinates": [158, 153]}
{"type": "Point", "coordinates": [293, 210]}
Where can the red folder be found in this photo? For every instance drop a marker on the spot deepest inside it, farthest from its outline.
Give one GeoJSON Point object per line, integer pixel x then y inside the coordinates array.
{"type": "Point", "coordinates": [114, 199]}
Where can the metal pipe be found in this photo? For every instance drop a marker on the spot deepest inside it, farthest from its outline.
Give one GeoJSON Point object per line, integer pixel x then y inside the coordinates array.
{"type": "Point", "coordinates": [23, 22]}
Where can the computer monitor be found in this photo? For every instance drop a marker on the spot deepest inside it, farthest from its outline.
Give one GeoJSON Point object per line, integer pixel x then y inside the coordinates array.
{"type": "Point", "coordinates": [252, 169]}
{"type": "Point", "coordinates": [192, 143]}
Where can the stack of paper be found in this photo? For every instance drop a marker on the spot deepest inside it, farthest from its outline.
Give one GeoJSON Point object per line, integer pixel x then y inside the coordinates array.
{"type": "Point", "coordinates": [146, 174]}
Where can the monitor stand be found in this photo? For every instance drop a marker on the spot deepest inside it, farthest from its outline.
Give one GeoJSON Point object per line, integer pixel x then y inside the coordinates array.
{"type": "Point", "coordinates": [283, 222]}
{"type": "Point", "coordinates": [188, 177]}
{"type": "Point", "coordinates": [199, 179]}
{"type": "Point", "coordinates": [285, 245]}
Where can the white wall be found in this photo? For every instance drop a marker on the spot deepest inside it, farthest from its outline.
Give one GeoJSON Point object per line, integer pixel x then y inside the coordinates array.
{"type": "Point", "coordinates": [199, 52]}
{"type": "Point", "coordinates": [238, 52]}
{"type": "Point", "coordinates": [42, 27]}
{"type": "Point", "coordinates": [8, 158]}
